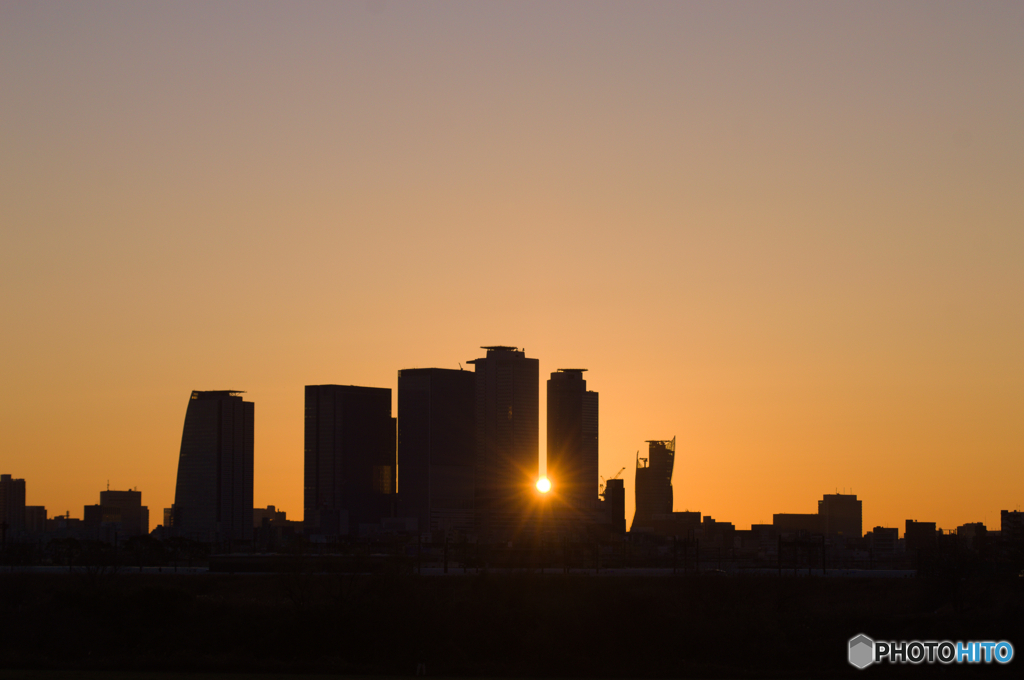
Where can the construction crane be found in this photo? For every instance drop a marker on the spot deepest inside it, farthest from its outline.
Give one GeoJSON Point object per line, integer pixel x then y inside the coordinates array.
{"type": "Point", "coordinates": [603, 484]}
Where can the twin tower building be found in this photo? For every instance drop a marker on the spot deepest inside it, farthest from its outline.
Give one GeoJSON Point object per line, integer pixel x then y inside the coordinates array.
{"type": "Point", "coordinates": [462, 456]}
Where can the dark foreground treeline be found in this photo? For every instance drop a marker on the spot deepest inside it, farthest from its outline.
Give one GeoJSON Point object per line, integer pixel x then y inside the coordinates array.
{"type": "Point", "coordinates": [526, 625]}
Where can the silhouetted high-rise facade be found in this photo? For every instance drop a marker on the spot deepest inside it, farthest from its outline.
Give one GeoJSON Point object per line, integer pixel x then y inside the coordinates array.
{"type": "Point", "coordinates": [350, 464]}
{"type": "Point", "coordinates": [839, 514]}
{"type": "Point", "coordinates": [12, 503]}
{"type": "Point", "coordinates": [213, 495]}
{"type": "Point", "coordinates": [654, 483]}
{"type": "Point", "coordinates": [437, 447]}
{"type": "Point", "coordinates": [507, 410]}
{"type": "Point", "coordinates": [572, 438]}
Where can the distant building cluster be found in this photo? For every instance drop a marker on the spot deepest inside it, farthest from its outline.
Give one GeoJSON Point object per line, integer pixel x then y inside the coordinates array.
{"type": "Point", "coordinates": [460, 462]}
{"type": "Point", "coordinates": [119, 515]}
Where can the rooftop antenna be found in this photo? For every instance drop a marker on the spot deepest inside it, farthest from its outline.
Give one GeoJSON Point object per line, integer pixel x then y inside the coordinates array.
{"type": "Point", "coordinates": [460, 365]}
{"type": "Point", "coordinates": [108, 485]}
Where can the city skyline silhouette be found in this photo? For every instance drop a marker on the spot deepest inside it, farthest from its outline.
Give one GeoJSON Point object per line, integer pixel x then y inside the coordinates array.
{"type": "Point", "coordinates": [451, 417]}
{"type": "Point", "coordinates": [786, 234]}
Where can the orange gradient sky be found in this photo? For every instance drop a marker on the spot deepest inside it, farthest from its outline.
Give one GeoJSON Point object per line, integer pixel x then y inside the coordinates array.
{"type": "Point", "coordinates": [789, 234]}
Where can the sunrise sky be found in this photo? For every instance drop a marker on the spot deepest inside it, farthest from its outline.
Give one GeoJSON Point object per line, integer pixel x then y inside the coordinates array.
{"type": "Point", "coordinates": [789, 234]}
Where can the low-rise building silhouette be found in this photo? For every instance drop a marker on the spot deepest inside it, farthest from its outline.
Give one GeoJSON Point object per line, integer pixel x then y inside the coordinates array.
{"type": "Point", "coordinates": [715, 534]}
{"type": "Point", "coordinates": [1011, 525]}
{"type": "Point", "coordinates": [134, 515]}
{"type": "Point", "coordinates": [796, 523]}
{"type": "Point", "coordinates": [102, 523]}
{"type": "Point", "coordinates": [12, 503]}
{"type": "Point", "coordinates": [684, 524]}
{"type": "Point", "coordinates": [884, 540]}
{"type": "Point", "coordinates": [839, 515]}
{"type": "Point", "coordinates": [269, 513]}
{"type": "Point", "coordinates": [919, 535]}
{"type": "Point", "coordinates": [971, 535]}
{"type": "Point", "coordinates": [35, 519]}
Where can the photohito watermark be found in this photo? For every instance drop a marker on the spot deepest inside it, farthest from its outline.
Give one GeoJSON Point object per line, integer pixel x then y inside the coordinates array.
{"type": "Point", "coordinates": [864, 651]}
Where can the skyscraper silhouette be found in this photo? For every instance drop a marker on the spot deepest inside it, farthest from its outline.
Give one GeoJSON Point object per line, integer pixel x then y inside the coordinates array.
{"type": "Point", "coordinates": [436, 447]}
{"type": "Point", "coordinates": [350, 466]}
{"type": "Point", "coordinates": [572, 439]}
{"type": "Point", "coordinates": [213, 494]}
{"type": "Point", "coordinates": [654, 483]}
{"type": "Point", "coordinates": [506, 432]}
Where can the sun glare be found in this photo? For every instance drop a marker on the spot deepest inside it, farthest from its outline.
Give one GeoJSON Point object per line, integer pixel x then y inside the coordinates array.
{"type": "Point", "coordinates": [543, 485]}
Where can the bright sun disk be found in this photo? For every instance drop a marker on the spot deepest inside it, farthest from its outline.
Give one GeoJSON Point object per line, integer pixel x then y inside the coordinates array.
{"type": "Point", "coordinates": [543, 485]}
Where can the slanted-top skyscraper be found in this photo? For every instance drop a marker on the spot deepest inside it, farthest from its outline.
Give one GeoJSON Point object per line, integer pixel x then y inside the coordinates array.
{"type": "Point", "coordinates": [507, 385]}
{"type": "Point", "coordinates": [654, 482]}
{"type": "Point", "coordinates": [572, 438]}
{"type": "Point", "coordinates": [350, 466]}
{"type": "Point", "coordinates": [213, 495]}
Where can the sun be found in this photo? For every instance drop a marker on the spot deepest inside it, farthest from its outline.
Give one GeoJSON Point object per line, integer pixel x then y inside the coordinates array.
{"type": "Point", "coordinates": [543, 485]}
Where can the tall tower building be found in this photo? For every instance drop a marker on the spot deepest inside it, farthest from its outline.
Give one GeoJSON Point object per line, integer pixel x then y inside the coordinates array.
{"type": "Point", "coordinates": [12, 503]}
{"type": "Point", "coordinates": [436, 447]}
{"type": "Point", "coordinates": [654, 482]}
{"type": "Point", "coordinates": [213, 495]}
{"type": "Point", "coordinates": [507, 385]}
{"type": "Point", "coordinates": [572, 438]}
{"type": "Point", "coordinates": [351, 471]}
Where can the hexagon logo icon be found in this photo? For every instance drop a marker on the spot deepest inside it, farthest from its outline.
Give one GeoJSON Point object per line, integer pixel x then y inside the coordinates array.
{"type": "Point", "coordinates": [862, 651]}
